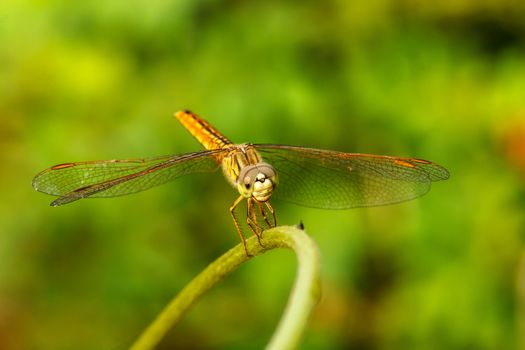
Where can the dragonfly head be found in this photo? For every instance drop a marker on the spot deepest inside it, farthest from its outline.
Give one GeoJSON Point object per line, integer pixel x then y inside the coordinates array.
{"type": "Point", "coordinates": [257, 181]}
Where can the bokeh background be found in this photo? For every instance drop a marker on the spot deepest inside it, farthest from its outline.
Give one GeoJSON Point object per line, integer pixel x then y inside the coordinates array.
{"type": "Point", "coordinates": [88, 80]}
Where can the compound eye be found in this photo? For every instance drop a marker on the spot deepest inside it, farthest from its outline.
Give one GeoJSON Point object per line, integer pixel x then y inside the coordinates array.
{"type": "Point", "coordinates": [267, 170]}
{"type": "Point", "coordinates": [247, 182]}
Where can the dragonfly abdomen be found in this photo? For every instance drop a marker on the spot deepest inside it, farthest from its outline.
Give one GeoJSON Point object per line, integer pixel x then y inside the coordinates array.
{"type": "Point", "coordinates": [201, 130]}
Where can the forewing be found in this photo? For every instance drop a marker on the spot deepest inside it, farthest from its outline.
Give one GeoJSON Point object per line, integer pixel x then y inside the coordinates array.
{"type": "Point", "coordinates": [109, 178]}
{"type": "Point", "coordinates": [337, 180]}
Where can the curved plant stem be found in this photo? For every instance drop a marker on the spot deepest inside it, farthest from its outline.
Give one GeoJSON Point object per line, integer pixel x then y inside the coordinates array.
{"type": "Point", "coordinates": [303, 298]}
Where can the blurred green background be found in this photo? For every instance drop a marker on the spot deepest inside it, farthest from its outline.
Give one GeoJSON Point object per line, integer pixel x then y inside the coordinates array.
{"type": "Point", "coordinates": [443, 81]}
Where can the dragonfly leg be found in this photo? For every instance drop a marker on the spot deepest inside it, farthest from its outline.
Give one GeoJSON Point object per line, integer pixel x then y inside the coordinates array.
{"type": "Point", "coordinates": [270, 209]}
{"type": "Point", "coordinates": [251, 220]}
{"type": "Point", "coordinates": [263, 214]}
{"type": "Point", "coordinates": [236, 223]}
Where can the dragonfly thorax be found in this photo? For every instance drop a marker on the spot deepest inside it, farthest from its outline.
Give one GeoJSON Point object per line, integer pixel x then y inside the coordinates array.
{"type": "Point", "coordinates": [257, 181]}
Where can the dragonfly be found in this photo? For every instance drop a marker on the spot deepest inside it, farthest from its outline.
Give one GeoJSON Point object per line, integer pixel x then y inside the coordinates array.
{"type": "Point", "coordinates": [305, 176]}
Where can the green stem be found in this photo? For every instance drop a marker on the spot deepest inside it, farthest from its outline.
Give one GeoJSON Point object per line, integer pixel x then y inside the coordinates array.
{"type": "Point", "coordinates": [303, 298]}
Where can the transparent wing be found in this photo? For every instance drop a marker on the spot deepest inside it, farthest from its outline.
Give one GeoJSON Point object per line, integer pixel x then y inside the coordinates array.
{"type": "Point", "coordinates": [337, 180]}
{"type": "Point", "coordinates": [109, 178]}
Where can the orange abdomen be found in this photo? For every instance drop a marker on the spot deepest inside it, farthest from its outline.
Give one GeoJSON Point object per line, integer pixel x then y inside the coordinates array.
{"type": "Point", "coordinates": [206, 134]}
